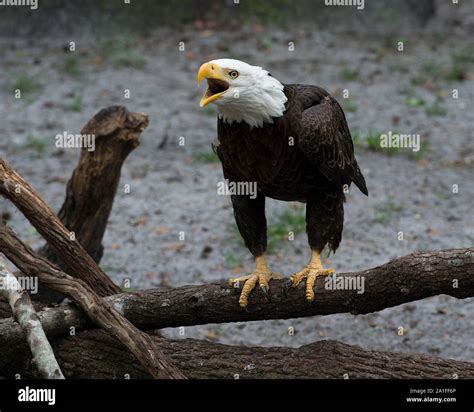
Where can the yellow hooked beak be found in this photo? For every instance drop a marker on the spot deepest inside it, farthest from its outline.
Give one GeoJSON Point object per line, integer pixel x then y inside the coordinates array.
{"type": "Point", "coordinates": [217, 84]}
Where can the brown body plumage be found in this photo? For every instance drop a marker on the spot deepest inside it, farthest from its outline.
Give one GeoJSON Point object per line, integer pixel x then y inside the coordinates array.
{"type": "Point", "coordinates": [305, 155]}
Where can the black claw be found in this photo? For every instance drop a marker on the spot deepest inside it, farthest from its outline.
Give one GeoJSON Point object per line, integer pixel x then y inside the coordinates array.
{"type": "Point", "coordinates": [265, 292]}
{"type": "Point", "coordinates": [287, 286]}
{"type": "Point", "coordinates": [312, 300]}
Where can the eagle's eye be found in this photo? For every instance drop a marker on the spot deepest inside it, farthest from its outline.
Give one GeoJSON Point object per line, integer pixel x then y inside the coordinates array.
{"type": "Point", "coordinates": [233, 74]}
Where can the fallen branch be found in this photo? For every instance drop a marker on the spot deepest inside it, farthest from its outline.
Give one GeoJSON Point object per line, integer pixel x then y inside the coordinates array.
{"type": "Point", "coordinates": [92, 354]}
{"type": "Point", "coordinates": [99, 311]}
{"type": "Point", "coordinates": [28, 321]}
{"type": "Point", "coordinates": [63, 242]}
{"type": "Point", "coordinates": [409, 278]}
{"type": "Point", "coordinates": [430, 274]}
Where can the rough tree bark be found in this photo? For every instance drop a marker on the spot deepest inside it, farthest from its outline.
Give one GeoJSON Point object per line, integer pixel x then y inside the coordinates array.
{"type": "Point", "coordinates": [218, 303]}
{"type": "Point", "coordinates": [40, 215]}
{"type": "Point", "coordinates": [92, 354]}
{"type": "Point", "coordinates": [117, 131]}
{"type": "Point", "coordinates": [99, 311]}
{"type": "Point", "coordinates": [409, 278]}
{"type": "Point", "coordinates": [91, 190]}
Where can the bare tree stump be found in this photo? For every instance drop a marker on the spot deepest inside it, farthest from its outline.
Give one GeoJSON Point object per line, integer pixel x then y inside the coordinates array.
{"type": "Point", "coordinates": [91, 190]}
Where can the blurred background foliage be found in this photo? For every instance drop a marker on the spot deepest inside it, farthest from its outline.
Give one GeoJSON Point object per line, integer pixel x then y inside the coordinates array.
{"type": "Point", "coordinates": [146, 15]}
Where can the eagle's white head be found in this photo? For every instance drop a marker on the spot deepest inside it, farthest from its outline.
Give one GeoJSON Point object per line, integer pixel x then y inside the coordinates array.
{"type": "Point", "coordinates": [242, 92]}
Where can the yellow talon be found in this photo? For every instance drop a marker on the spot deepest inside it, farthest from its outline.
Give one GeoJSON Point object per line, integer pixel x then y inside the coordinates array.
{"type": "Point", "coordinates": [310, 273]}
{"type": "Point", "coordinates": [261, 274]}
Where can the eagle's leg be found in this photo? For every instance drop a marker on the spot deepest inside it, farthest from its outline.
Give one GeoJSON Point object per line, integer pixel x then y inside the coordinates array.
{"type": "Point", "coordinates": [260, 275]}
{"type": "Point", "coordinates": [250, 218]}
{"type": "Point", "coordinates": [310, 273]}
{"type": "Point", "coordinates": [324, 221]}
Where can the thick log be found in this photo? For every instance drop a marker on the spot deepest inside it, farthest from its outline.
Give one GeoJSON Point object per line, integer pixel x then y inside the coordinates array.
{"type": "Point", "coordinates": [98, 310]}
{"type": "Point", "coordinates": [92, 354]}
{"type": "Point", "coordinates": [405, 279]}
{"type": "Point", "coordinates": [409, 278]}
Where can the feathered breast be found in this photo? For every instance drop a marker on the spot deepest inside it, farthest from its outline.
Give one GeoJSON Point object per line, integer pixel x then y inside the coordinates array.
{"type": "Point", "coordinates": [309, 146]}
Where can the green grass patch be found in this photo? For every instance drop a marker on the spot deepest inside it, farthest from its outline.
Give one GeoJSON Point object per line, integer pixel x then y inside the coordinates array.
{"type": "Point", "coordinates": [70, 66]}
{"type": "Point", "coordinates": [386, 211]}
{"type": "Point", "coordinates": [456, 70]}
{"type": "Point", "coordinates": [280, 226]}
{"type": "Point", "coordinates": [442, 196]}
{"type": "Point", "coordinates": [231, 261]}
{"type": "Point", "coordinates": [122, 52]}
{"type": "Point", "coordinates": [436, 109]}
{"type": "Point", "coordinates": [37, 146]}
{"type": "Point", "coordinates": [420, 154]}
{"type": "Point", "coordinates": [464, 56]}
{"type": "Point", "coordinates": [433, 109]}
{"type": "Point", "coordinates": [348, 106]}
{"type": "Point", "coordinates": [415, 102]}
{"type": "Point", "coordinates": [26, 84]}
{"type": "Point", "coordinates": [130, 58]}
{"type": "Point", "coordinates": [349, 74]}
{"type": "Point", "coordinates": [370, 140]}
{"type": "Point", "coordinates": [206, 157]}
{"type": "Point", "coordinates": [74, 105]}
{"type": "Point", "coordinates": [418, 81]}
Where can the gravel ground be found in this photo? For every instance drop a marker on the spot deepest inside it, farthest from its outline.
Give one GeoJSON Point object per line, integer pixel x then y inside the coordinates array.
{"type": "Point", "coordinates": [173, 188]}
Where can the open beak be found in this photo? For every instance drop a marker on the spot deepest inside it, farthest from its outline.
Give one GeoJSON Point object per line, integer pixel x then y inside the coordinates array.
{"type": "Point", "coordinates": [216, 83]}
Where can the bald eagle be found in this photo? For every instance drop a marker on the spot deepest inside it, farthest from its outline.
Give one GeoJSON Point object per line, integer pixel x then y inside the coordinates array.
{"type": "Point", "coordinates": [293, 141]}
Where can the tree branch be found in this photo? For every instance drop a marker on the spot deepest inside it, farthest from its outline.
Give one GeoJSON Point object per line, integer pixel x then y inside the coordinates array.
{"type": "Point", "coordinates": [70, 251]}
{"type": "Point", "coordinates": [409, 278]}
{"type": "Point", "coordinates": [99, 311]}
{"type": "Point", "coordinates": [28, 321]}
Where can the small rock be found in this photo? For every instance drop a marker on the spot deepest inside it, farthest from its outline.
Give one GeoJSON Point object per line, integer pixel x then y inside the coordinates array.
{"type": "Point", "coordinates": [206, 252]}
